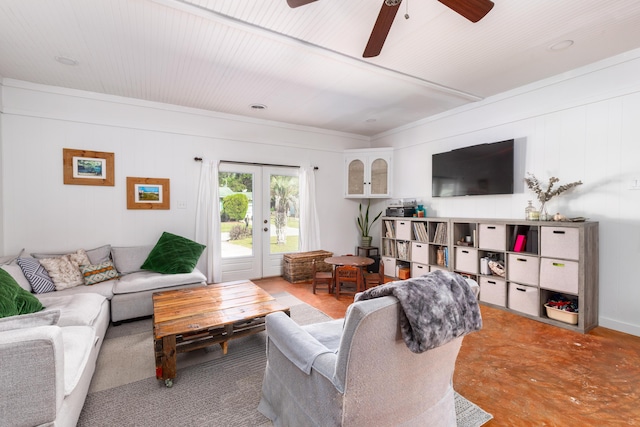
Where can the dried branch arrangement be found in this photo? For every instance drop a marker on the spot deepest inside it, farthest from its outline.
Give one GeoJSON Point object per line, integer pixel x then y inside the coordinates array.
{"type": "Point", "coordinates": [546, 195]}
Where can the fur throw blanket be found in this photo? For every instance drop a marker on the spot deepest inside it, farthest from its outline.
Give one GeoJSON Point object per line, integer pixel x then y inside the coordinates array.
{"type": "Point", "coordinates": [436, 308]}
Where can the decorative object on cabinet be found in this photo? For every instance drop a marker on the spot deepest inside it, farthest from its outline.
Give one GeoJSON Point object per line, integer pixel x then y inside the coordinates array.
{"type": "Point", "coordinates": [530, 213]}
{"type": "Point", "coordinates": [545, 195]}
{"type": "Point", "coordinates": [368, 173]}
{"type": "Point", "coordinates": [84, 167]}
{"type": "Point", "coordinates": [148, 193]}
{"type": "Point", "coordinates": [364, 225]}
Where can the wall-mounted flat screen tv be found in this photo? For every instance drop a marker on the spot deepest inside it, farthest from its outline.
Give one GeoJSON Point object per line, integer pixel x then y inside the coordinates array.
{"type": "Point", "coordinates": [477, 170]}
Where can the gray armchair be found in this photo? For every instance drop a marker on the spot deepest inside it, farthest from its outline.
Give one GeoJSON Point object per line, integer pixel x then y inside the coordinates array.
{"type": "Point", "coordinates": [356, 371]}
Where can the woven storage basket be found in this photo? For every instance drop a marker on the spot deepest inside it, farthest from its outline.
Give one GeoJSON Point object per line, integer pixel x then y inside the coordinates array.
{"type": "Point", "coordinates": [298, 268]}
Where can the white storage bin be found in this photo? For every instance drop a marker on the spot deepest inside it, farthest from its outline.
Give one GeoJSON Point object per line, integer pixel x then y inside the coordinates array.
{"type": "Point", "coordinates": [418, 269]}
{"type": "Point", "coordinates": [492, 237]}
{"type": "Point", "coordinates": [493, 291]}
{"type": "Point", "coordinates": [403, 229]}
{"type": "Point", "coordinates": [525, 299]}
{"type": "Point", "coordinates": [560, 242]}
{"type": "Point", "coordinates": [523, 269]}
{"type": "Point", "coordinates": [420, 252]}
{"type": "Point", "coordinates": [466, 260]}
{"type": "Point", "coordinates": [389, 266]}
{"type": "Point", "coordinates": [559, 275]}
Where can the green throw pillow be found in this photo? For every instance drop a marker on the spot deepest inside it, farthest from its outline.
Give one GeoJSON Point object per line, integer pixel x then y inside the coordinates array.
{"type": "Point", "coordinates": [13, 299]}
{"type": "Point", "coordinates": [173, 254]}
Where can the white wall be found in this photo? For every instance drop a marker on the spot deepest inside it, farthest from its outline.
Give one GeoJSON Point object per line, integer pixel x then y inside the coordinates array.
{"type": "Point", "coordinates": [583, 125]}
{"type": "Point", "coordinates": [149, 140]}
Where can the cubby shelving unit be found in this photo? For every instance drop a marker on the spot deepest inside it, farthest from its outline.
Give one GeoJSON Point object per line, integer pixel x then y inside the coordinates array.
{"type": "Point", "coordinates": [540, 259]}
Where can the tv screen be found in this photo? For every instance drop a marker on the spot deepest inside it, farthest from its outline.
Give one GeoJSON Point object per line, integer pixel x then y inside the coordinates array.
{"type": "Point", "coordinates": [477, 170]}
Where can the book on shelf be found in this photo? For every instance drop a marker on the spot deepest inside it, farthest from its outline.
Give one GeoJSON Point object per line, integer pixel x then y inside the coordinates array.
{"type": "Point", "coordinates": [420, 231]}
{"type": "Point", "coordinates": [440, 237]}
{"type": "Point", "coordinates": [518, 230]}
{"type": "Point", "coordinates": [521, 241]}
{"type": "Point", "coordinates": [403, 250]}
{"type": "Point", "coordinates": [389, 227]}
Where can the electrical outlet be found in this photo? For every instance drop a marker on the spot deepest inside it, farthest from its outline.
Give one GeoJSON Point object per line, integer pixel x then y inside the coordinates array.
{"type": "Point", "coordinates": [182, 204]}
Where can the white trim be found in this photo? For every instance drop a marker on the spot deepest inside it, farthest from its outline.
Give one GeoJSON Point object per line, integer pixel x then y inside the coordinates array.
{"type": "Point", "coordinates": [604, 64]}
{"type": "Point", "coordinates": [161, 107]}
{"type": "Point", "coordinates": [616, 325]}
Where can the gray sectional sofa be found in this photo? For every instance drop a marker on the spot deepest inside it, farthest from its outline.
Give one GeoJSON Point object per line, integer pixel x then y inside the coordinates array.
{"type": "Point", "coordinates": [48, 358]}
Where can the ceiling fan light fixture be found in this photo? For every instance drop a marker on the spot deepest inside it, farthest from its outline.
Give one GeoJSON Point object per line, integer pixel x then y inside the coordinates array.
{"type": "Point", "coordinates": [392, 2]}
{"type": "Point", "coordinates": [561, 45]}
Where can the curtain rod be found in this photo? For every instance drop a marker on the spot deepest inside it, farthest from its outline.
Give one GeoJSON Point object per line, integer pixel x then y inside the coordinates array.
{"type": "Point", "coordinates": [199, 159]}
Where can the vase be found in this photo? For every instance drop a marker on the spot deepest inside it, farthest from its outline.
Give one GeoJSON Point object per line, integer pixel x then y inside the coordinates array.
{"type": "Point", "coordinates": [544, 215]}
{"type": "Point", "coordinates": [365, 241]}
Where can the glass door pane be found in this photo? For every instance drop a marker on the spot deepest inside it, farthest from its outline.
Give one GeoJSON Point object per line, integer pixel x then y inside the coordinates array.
{"type": "Point", "coordinates": [236, 213]}
{"type": "Point", "coordinates": [284, 213]}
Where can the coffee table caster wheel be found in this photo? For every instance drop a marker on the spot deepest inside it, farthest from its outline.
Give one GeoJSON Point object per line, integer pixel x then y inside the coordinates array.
{"type": "Point", "coordinates": [168, 382]}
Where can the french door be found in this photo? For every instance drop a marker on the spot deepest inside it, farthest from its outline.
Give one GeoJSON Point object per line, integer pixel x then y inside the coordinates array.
{"type": "Point", "coordinates": [259, 219]}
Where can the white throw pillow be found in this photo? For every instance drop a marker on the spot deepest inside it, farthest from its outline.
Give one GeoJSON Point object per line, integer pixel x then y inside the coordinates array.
{"type": "Point", "coordinates": [65, 270]}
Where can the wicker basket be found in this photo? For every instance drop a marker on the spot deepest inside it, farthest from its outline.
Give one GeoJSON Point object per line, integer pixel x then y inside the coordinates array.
{"type": "Point", "coordinates": [298, 267]}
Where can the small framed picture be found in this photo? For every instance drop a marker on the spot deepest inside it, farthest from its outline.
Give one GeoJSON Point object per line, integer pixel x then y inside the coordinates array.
{"type": "Point", "coordinates": [83, 167]}
{"type": "Point", "coordinates": [148, 193]}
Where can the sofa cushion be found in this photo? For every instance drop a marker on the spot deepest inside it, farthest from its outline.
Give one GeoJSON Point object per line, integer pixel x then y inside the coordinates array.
{"type": "Point", "coordinates": [75, 309]}
{"type": "Point", "coordinates": [37, 275]}
{"type": "Point", "coordinates": [96, 273]}
{"type": "Point", "coordinates": [16, 272]}
{"type": "Point", "coordinates": [40, 318]}
{"type": "Point", "coordinates": [173, 255]}
{"type": "Point", "coordinates": [64, 273]}
{"type": "Point", "coordinates": [8, 259]}
{"type": "Point", "coordinates": [13, 299]}
{"type": "Point", "coordinates": [78, 342]}
{"type": "Point", "coordinates": [103, 288]}
{"type": "Point", "coordinates": [147, 280]}
{"type": "Point", "coordinates": [129, 259]}
{"type": "Point", "coordinates": [96, 255]}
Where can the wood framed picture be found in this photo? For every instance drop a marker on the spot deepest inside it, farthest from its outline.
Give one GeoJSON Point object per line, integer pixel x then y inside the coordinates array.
{"type": "Point", "coordinates": [148, 193]}
{"type": "Point", "coordinates": [84, 167]}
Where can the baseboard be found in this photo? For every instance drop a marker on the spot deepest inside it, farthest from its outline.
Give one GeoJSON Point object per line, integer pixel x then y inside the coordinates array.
{"type": "Point", "coordinates": [619, 326]}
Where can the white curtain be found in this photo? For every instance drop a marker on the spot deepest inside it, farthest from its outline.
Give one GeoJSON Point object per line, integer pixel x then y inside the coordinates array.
{"type": "Point", "coordinates": [309, 226]}
{"type": "Point", "coordinates": [207, 220]}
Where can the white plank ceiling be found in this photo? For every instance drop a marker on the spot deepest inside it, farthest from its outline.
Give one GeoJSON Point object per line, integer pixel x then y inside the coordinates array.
{"type": "Point", "coordinates": [306, 64]}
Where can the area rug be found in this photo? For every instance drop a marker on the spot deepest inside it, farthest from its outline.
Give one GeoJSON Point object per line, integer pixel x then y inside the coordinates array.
{"type": "Point", "coordinates": [211, 389]}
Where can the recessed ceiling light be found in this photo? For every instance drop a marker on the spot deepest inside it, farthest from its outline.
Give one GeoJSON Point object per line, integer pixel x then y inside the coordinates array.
{"type": "Point", "coordinates": [561, 45]}
{"type": "Point", "coordinates": [66, 61]}
{"type": "Point", "coordinates": [258, 107]}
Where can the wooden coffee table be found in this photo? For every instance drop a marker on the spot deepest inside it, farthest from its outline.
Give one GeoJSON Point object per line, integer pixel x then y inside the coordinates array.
{"type": "Point", "coordinates": [194, 318]}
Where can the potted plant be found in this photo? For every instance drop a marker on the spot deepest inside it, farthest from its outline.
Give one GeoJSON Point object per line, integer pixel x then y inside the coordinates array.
{"type": "Point", "coordinates": [365, 226]}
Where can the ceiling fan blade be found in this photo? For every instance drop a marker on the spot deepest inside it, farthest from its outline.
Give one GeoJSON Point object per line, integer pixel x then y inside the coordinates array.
{"type": "Point", "coordinates": [296, 3]}
{"type": "Point", "coordinates": [473, 10]}
{"type": "Point", "coordinates": [380, 30]}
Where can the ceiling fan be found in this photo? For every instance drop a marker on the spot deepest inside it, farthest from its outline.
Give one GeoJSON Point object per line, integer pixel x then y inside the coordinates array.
{"type": "Point", "coordinates": [473, 10]}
